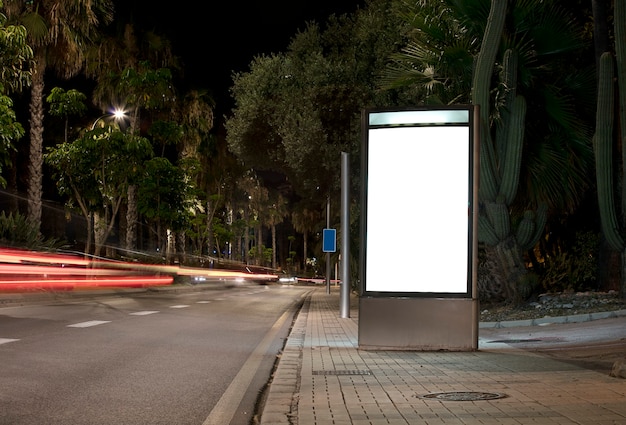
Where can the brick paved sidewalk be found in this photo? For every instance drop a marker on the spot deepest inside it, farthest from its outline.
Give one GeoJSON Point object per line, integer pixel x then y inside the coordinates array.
{"type": "Point", "coordinates": [323, 378]}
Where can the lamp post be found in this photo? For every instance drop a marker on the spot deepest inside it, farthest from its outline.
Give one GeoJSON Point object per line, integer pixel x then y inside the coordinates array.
{"type": "Point", "coordinates": [117, 114]}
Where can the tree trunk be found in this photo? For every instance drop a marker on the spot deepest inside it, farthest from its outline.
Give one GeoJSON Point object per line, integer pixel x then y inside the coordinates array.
{"type": "Point", "coordinates": [170, 248]}
{"type": "Point", "coordinates": [305, 249]}
{"type": "Point", "coordinates": [131, 218]}
{"type": "Point", "coordinates": [99, 230]}
{"type": "Point", "coordinates": [507, 256]}
{"type": "Point", "coordinates": [259, 246]}
{"type": "Point", "coordinates": [274, 246]}
{"type": "Point", "coordinates": [90, 220]}
{"type": "Point", "coordinates": [246, 239]}
{"type": "Point", "coordinates": [161, 247]}
{"type": "Point", "coordinates": [35, 164]}
{"type": "Point", "coordinates": [490, 281]}
{"type": "Point", "coordinates": [210, 240]}
{"type": "Point", "coordinates": [181, 247]}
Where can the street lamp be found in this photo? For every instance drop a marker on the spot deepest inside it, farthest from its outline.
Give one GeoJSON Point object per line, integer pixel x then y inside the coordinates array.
{"type": "Point", "coordinates": [117, 114]}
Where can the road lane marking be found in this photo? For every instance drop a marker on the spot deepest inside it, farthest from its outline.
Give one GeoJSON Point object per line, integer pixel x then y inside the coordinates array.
{"type": "Point", "coordinates": [5, 340]}
{"type": "Point", "coordinates": [179, 306]}
{"type": "Point", "coordinates": [143, 313]}
{"type": "Point", "coordinates": [227, 405]}
{"type": "Point", "coordinates": [203, 302]}
{"type": "Point", "coordinates": [88, 324]}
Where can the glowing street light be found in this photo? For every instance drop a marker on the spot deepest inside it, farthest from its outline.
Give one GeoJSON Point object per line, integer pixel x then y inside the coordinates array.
{"type": "Point", "coordinates": [117, 114]}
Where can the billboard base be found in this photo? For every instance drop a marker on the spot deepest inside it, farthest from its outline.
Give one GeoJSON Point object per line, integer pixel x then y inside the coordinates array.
{"type": "Point", "coordinates": [418, 324]}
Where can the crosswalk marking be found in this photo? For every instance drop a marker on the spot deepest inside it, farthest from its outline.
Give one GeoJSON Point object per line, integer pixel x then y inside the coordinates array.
{"type": "Point", "coordinates": [88, 324]}
{"type": "Point", "coordinates": [143, 313]}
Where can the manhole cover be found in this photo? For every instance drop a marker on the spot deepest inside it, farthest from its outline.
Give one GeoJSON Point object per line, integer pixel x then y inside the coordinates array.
{"type": "Point", "coordinates": [342, 372]}
{"type": "Point", "coordinates": [463, 396]}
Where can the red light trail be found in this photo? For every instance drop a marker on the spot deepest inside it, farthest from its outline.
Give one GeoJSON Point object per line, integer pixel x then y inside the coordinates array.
{"type": "Point", "coordinates": [24, 271]}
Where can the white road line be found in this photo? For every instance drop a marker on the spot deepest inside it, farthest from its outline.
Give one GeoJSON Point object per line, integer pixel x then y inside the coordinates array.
{"type": "Point", "coordinates": [5, 340]}
{"type": "Point", "coordinates": [203, 302]}
{"type": "Point", "coordinates": [88, 324]}
{"type": "Point", "coordinates": [143, 313]}
{"type": "Point", "coordinates": [226, 407]}
{"type": "Point", "coordinates": [179, 306]}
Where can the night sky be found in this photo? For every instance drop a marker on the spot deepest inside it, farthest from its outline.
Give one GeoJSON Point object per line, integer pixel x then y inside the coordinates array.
{"type": "Point", "coordinates": [216, 38]}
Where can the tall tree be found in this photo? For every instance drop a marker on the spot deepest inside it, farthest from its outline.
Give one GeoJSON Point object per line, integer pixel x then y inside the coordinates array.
{"type": "Point", "coordinates": [306, 220]}
{"type": "Point", "coordinates": [133, 71]}
{"type": "Point", "coordinates": [65, 103]}
{"type": "Point", "coordinates": [297, 111]}
{"type": "Point", "coordinates": [93, 172]}
{"type": "Point", "coordinates": [195, 115]}
{"type": "Point", "coordinates": [59, 32]}
{"type": "Point", "coordinates": [163, 199]}
{"type": "Point", "coordinates": [276, 214]}
{"type": "Point", "coordinates": [15, 61]}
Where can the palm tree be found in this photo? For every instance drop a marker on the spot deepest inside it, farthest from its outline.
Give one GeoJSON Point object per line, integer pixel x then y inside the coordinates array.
{"type": "Point", "coordinates": [438, 57]}
{"type": "Point", "coordinates": [128, 78]}
{"type": "Point", "coordinates": [276, 214]}
{"type": "Point", "coordinates": [59, 32]}
{"type": "Point", "coordinates": [306, 219]}
{"type": "Point", "coordinates": [195, 116]}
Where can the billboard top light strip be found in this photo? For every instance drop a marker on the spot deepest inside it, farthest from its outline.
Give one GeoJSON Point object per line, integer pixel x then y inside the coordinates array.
{"type": "Point", "coordinates": [431, 117]}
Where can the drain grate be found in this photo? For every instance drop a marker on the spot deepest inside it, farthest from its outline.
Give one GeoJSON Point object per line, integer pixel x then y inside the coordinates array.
{"type": "Point", "coordinates": [342, 372]}
{"type": "Point", "coordinates": [463, 396]}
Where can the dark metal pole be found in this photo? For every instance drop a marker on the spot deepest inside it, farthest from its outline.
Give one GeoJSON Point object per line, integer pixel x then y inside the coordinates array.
{"type": "Point", "coordinates": [344, 300]}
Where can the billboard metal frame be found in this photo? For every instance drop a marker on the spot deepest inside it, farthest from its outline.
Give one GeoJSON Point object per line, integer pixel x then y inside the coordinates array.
{"type": "Point", "coordinates": [385, 125]}
{"type": "Point", "coordinates": [419, 223]}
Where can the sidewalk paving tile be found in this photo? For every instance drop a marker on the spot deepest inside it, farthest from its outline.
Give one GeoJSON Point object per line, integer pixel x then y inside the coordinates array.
{"type": "Point", "coordinates": [324, 378]}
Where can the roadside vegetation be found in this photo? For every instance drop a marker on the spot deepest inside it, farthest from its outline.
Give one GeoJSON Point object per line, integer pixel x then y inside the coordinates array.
{"type": "Point", "coordinates": [164, 180]}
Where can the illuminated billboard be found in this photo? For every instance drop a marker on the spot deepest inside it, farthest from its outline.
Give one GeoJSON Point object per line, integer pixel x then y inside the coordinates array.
{"type": "Point", "coordinates": [416, 229]}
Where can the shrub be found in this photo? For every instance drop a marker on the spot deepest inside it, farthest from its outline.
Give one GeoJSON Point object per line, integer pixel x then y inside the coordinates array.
{"type": "Point", "coordinates": [574, 269]}
{"type": "Point", "coordinates": [16, 231]}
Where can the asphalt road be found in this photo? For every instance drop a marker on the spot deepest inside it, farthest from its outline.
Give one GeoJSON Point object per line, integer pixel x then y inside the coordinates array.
{"type": "Point", "coordinates": [197, 358]}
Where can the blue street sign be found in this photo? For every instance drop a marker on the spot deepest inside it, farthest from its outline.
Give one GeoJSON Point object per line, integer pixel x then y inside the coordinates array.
{"type": "Point", "coordinates": [329, 240]}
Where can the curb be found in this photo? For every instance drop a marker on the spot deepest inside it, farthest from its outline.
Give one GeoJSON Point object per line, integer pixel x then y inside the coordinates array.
{"type": "Point", "coordinates": [544, 321]}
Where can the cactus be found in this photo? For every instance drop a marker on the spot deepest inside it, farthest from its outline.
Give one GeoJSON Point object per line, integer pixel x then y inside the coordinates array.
{"type": "Point", "coordinates": [619, 14]}
{"type": "Point", "coordinates": [603, 139]}
{"type": "Point", "coordinates": [530, 229]}
{"type": "Point", "coordinates": [498, 215]}
{"type": "Point", "coordinates": [500, 162]}
{"type": "Point", "coordinates": [603, 145]}
{"type": "Point", "coordinates": [513, 150]}
{"type": "Point", "coordinates": [619, 20]}
{"type": "Point", "coordinates": [480, 95]}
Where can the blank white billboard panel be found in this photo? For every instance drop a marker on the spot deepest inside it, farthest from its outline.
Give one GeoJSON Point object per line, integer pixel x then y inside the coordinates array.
{"type": "Point", "coordinates": [418, 193]}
